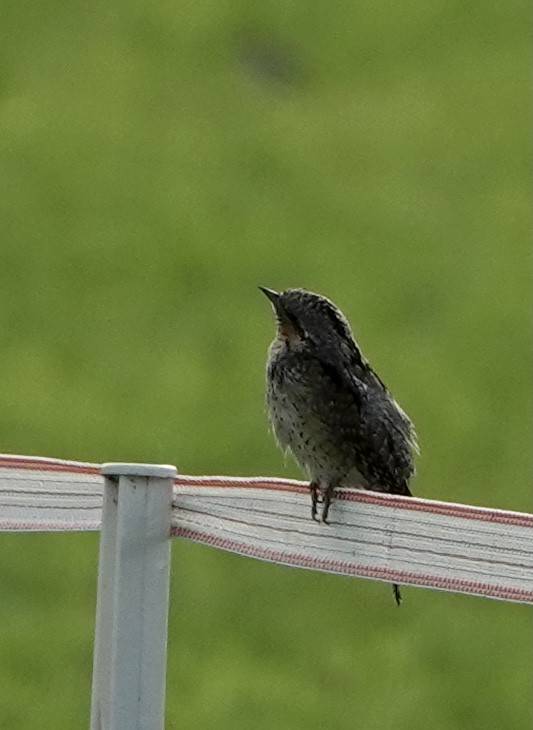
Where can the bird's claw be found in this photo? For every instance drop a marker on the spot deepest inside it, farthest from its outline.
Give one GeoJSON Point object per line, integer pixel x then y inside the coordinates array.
{"type": "Point", "coordinates": [314, 500]}
{"type": "Point", "coordinates": [326, 501]}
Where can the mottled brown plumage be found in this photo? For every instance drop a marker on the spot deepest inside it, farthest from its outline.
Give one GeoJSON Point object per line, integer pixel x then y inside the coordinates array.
{"type": "Point", "coordinates": [329, 408]}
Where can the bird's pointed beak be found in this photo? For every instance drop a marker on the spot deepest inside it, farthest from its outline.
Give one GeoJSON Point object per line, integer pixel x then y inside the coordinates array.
{"type": "Point", "coordinates": [271, 294]}
{"type": "Point", "coordinates": [287, 327]}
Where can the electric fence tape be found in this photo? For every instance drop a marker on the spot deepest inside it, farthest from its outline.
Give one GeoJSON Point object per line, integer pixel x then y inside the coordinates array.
{"type": "Point", "coordinates": [410, 541]}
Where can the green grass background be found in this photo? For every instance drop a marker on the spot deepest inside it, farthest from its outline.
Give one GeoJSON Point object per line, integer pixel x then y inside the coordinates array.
{"type": "Point", "coordinates": [160, 160]}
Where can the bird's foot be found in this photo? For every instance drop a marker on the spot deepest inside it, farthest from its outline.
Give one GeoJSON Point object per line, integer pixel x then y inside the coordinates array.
{"type": "Point", "coordinates": [326, 501]}
{"type": "Point", "coordinates": [314, 500]}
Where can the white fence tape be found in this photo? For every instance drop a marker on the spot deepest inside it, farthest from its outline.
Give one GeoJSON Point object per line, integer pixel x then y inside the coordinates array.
{"type": "Point", "coordinates": [411, 541]}
{"type": "Point", "coordinates": [49, 494]}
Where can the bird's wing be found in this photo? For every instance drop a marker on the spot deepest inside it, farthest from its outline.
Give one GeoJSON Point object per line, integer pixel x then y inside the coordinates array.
{"type": "Point", "coordinates": [386, 437]}
{"type": "Point", "coordinates": [345, 371]}
{"type": "Point", "coordinates": [390, 443]}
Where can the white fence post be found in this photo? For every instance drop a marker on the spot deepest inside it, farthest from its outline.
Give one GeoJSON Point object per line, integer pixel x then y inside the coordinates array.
{"type": "Point", "coordinates": [132, 604]}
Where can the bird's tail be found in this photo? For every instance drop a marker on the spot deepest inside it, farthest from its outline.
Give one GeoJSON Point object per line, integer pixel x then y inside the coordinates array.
{"type": "Point", "coordinates": [396, 593]}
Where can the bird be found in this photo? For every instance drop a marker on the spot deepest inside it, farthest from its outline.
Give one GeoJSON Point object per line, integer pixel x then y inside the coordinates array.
{"type": "Point", "coordinates": [329, 408]}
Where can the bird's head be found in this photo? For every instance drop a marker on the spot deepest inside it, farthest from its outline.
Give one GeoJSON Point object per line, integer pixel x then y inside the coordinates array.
{"type": "Point", "coordinates": [301, 315]}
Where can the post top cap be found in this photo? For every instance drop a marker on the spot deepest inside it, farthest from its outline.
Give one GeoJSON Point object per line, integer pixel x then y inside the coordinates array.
{"type": "Point", "coordinates": [162, 471]}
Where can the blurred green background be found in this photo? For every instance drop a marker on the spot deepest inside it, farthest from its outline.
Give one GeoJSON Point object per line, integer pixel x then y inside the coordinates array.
{"type": "Point", "coordinates": [158, 162]}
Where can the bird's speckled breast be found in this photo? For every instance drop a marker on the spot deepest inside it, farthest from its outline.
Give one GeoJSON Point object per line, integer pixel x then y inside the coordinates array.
{"type": "Point", "coordinates": [305, 418]}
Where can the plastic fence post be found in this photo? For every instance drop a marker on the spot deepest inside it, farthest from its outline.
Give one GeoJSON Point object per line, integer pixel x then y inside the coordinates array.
{"type": "Point", "coordinates": [132, 604]}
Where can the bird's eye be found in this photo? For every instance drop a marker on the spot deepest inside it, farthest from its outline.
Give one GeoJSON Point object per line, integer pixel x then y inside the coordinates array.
{"type": "Point", "coordinates": [289, 326]}
{"type": "Point", "coordinates": [296, 326]}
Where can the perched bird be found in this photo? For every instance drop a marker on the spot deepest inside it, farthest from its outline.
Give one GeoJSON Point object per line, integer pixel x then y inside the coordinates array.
{"type": "Point", "coordinates": [329, 408]}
